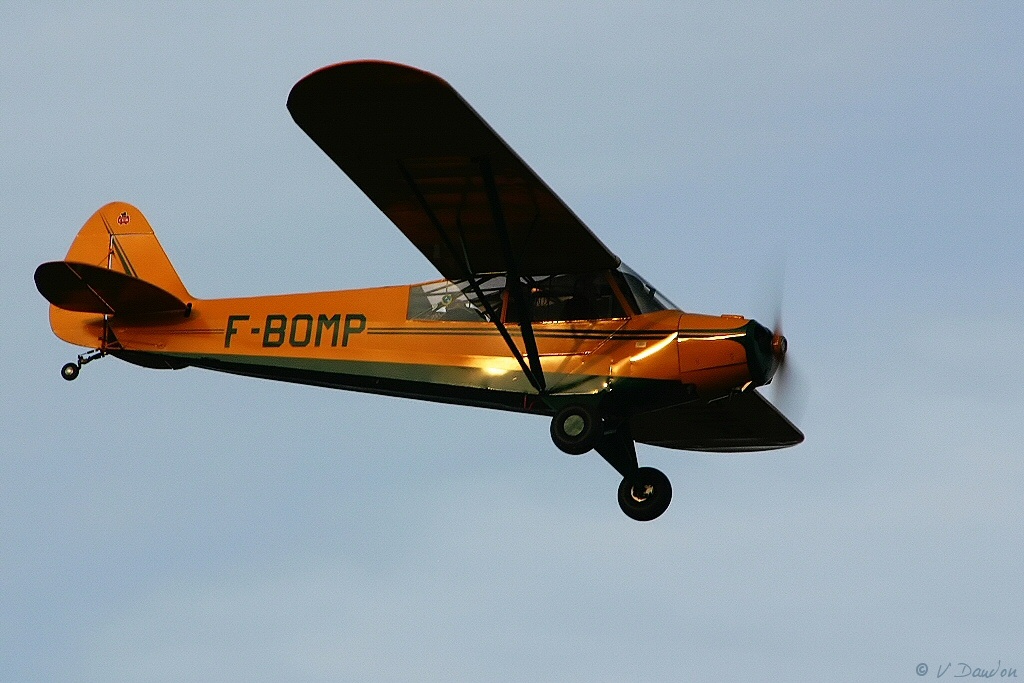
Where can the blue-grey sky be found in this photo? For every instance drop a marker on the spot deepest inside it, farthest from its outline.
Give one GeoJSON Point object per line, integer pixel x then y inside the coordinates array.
{"type": "Point", "coordinates": [161, 526]}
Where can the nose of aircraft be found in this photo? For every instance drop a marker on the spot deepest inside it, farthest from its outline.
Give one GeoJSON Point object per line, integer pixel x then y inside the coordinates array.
{"type": "Point", "coordinates": [765, 352]}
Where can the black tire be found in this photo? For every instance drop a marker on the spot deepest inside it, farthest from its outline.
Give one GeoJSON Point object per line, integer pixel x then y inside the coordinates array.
{"type": "Point", "coordinates": [575, 430]}
{"type": "Point", "coordinates": [69, 371]}
{"type": "Point", "coordinates": [645, 495]}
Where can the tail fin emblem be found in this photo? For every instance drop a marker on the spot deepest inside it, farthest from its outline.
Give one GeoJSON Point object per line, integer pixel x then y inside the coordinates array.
{"type": "Point", "coordinates": [123, 219]}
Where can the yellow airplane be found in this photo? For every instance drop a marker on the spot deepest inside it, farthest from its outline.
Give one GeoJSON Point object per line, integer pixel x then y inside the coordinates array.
{"type": "Point", "coordinates": [533, 314]}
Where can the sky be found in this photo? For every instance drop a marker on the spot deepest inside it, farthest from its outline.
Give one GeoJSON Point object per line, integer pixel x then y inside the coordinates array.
{"type": "Point", "coordinates": [857, 164]}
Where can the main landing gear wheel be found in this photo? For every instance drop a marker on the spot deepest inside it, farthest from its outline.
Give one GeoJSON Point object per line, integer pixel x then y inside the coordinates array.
{"type": "Point", "coordinates": [575, 430]}
{"type": "Point", "coordinates": [645, 495]}
{"type": "Point", "coordinates": [69, 371]}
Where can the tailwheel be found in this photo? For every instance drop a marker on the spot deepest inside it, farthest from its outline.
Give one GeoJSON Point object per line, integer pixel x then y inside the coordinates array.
{"type": "Point", "coordinates": [70, 371]}
{"type": "Point", "coordinates": [645, 494]}
{"type": "Point", "coordinates": [575, 429]}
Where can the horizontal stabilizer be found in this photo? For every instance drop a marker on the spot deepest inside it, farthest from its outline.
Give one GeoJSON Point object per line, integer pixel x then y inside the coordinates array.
{"type": "Point", "coordinates": [91, 289]}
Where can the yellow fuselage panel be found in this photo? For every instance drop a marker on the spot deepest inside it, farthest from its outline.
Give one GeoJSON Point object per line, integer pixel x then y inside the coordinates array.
{"type": "Point", "coordinates": [370, 325]}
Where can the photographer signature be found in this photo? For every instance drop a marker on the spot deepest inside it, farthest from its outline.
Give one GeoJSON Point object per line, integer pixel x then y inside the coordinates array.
{"type": "Point", "coordinates": [965, 670]}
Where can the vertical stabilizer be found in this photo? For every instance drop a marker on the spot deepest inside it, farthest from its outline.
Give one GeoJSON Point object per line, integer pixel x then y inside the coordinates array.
{"type": "Point", "coordinates": [118, 238]}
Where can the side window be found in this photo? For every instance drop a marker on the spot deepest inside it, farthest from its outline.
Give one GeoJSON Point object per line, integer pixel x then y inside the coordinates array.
{"type": "Point", "coordinates": [571, 297]}
{"type": "Point", "coordinates": [454, 301]}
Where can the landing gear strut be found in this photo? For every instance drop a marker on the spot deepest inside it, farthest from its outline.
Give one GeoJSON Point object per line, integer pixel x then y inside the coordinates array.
{"type": "Point", "coordinates": [70, 370]}
{"type": "Point", "coordinates": [645, 492]}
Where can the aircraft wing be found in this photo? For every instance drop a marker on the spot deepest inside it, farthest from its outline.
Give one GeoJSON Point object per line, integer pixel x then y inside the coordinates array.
{"type": "Point", "coordinates": [440, 173]}
{"type": "Point", "coordinates": [736, 424]}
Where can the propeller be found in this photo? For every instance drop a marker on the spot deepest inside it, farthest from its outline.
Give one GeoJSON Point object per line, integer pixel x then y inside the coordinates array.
{"type": "Point", "coordinates": [789, 389]}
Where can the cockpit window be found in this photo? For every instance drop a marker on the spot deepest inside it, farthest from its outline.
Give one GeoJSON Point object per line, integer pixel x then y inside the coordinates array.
{"type": "Point", "coordinates": [562, 297]}
{"type": "Point", "coordinates": [568, 297]}
{"type": "Point", "coordinates": [644, 297]}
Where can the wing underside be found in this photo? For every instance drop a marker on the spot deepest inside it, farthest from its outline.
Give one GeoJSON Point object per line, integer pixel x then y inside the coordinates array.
{"type": "Point", "coordinates": [736, 424]}
{"type": "Point", "coordinates": [461, 195]}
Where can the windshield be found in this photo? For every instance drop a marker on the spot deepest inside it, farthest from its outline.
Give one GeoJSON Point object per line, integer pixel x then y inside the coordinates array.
{"type": "Point", "coordinates": [645, 298]}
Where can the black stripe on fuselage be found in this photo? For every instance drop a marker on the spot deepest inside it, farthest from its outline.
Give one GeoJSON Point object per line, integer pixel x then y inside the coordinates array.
{"type": "Point", "coordinates": [583, 335]}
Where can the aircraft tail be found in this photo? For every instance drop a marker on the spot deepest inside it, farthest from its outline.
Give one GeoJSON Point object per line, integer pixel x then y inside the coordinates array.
{"type": "Point", "coordinates": [115, 266]}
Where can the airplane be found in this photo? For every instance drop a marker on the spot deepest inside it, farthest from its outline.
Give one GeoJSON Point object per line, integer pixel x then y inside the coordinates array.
{"type": "Point", "coordinates": [533, 313]}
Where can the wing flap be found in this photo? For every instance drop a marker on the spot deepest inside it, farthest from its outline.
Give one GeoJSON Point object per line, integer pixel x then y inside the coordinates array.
{"type": "Point", "coordinates": [739, 423]}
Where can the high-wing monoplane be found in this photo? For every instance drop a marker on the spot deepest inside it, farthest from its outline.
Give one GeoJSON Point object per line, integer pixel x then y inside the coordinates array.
{"type": "Point", "coordinates": [532, 314]}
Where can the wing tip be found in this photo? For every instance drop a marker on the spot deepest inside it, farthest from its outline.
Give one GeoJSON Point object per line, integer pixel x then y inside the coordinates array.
{"type": "Point", "coordinates": [361, 73]}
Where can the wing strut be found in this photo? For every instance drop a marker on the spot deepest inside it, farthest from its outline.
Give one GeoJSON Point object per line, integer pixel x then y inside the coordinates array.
{"type": "Point", "coordinates": [514, 282]}
{"type": "Point", "coordinates": [536, 379]}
